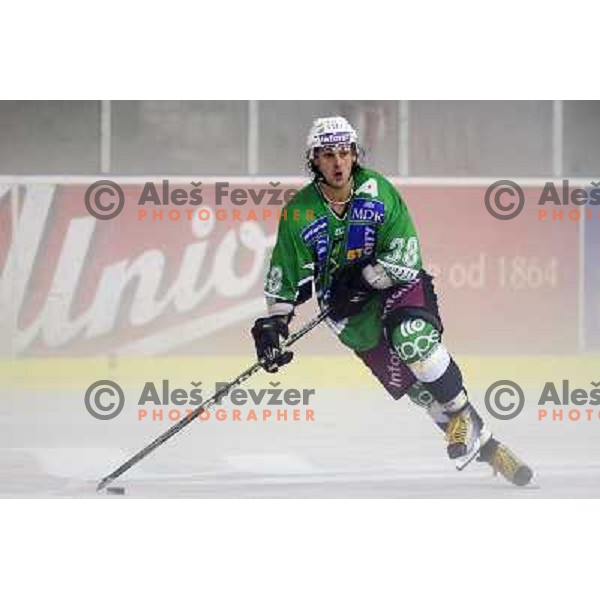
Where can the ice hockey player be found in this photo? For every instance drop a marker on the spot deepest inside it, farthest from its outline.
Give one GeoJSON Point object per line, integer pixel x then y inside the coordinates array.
{"type": "Point", "coordinates": [362, 252]}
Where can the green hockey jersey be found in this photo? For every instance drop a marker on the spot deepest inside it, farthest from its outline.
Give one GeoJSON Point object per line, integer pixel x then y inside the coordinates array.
{"type": "Point", "coordinates": [313, 242]}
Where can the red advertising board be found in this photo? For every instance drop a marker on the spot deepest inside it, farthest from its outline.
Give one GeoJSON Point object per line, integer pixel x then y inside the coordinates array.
{"type": "Point", "coordinates": [150, 282]}
{"type": "Point", "coordinates": [505, 286]}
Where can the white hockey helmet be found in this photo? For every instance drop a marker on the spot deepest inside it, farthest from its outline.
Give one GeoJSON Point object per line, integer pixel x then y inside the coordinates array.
{"type": "Point", "coordinates": [329, 132]}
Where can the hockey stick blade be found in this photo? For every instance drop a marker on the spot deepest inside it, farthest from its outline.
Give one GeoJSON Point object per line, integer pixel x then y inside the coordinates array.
{"type": "Point", "coordinates": [169, 433]}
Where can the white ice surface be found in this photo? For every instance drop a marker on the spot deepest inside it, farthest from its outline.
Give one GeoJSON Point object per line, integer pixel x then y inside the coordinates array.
{"type": "Point", "coordinates": [361, 445]}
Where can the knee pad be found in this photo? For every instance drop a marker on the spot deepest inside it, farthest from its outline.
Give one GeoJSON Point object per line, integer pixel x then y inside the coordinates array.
{"type": "Point", "coordinates": [418, 344]}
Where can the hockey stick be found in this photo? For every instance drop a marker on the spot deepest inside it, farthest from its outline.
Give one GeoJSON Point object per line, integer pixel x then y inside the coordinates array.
{"type": "Point", "coordinates": [169, 433]}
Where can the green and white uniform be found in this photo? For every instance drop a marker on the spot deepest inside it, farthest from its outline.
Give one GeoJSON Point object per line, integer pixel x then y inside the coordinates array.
{"type": "Point", "coordinates": [314, 242]}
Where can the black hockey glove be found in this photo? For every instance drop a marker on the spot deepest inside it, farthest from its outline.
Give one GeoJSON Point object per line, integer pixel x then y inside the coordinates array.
{"type": "Point", "coordinates": [349, 292]}
{"type": "Point", "coordinates": [267, 332]}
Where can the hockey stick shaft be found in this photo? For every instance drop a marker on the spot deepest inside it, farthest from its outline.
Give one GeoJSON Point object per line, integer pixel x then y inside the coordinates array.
{"type": "Point", "coordinates": [169, 433]}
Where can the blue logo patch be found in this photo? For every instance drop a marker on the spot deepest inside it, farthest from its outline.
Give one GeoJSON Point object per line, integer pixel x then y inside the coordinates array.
{"type": "Point", "coordinates": [361, 241]}
{"type": "Point", "coordinates": [316, 228]}
{"type": "Point", "coordinates": [321, 248]}
{"type": "Point", "coordinates": [371, 211]}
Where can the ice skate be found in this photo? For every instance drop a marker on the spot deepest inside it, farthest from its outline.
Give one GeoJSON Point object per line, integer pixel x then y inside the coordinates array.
{"type": "Point", "coordinates": [465, 436]}
{"type": "Point", "coordinates": [504, 461]}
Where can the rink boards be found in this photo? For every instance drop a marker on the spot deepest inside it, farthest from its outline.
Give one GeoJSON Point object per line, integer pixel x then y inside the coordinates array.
{"type": "Point", "coordinates": [148, 282]}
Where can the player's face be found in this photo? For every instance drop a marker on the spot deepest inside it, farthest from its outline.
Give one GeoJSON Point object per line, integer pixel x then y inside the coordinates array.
{"type": "Point", "coordinates": [335, 164]}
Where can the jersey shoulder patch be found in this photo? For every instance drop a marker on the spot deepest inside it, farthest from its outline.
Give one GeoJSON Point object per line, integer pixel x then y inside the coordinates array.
{"type": "Point", "coordinates": [368, 188]}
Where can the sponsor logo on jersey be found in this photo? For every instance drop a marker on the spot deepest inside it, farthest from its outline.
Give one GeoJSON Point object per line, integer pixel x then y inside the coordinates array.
{"type": "Point", "coordinates": [314, 230]}
{"type": "Point", "coordinates": [274, 280]}
{"type": "Point", "coordinates": [321, 248]}
{"type": "Point", "coordinates": [400, 272]}
{"type": "Point", "coordinates": [354, 254]}
{"type": "Point", "coordinates": [361, 241]}
{"type": "Point", "coordinates": [367, 210]}
{"type": "Point", "coordinates": [370, 239]}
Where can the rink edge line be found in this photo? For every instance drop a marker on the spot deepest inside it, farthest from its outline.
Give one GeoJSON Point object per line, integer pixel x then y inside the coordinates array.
{"type": "Point", "coordinates": [307, 371]}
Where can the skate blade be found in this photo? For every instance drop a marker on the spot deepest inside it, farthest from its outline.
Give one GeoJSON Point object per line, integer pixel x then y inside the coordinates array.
{"type": "Point", "coordinates": [464, 461]}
